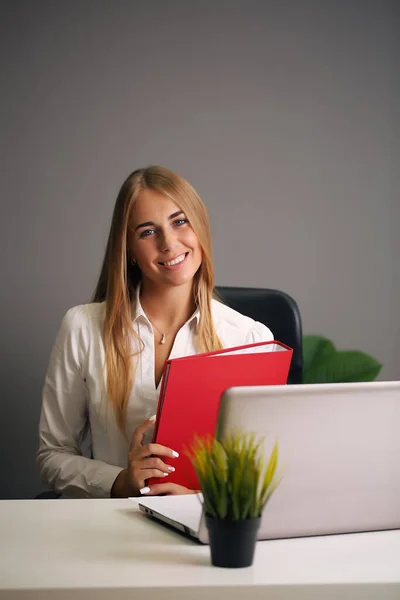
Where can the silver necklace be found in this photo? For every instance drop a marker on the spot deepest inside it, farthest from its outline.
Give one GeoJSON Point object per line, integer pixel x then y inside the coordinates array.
{"type": "Point", "coordinates": [163, 335]}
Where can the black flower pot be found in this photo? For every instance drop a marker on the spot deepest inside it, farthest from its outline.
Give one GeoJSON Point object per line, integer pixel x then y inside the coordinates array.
{"type": "Point", "coordinates": [232, 543]}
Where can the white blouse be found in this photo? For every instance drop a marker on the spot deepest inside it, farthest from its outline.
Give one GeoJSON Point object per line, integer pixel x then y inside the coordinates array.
{"type": "Point", "coordinates": [75, 404]}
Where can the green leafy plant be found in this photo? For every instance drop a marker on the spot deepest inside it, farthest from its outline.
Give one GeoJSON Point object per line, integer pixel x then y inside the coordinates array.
{"type": "Point", "coordinates": [235, 480]}
{"type": "Point", "coordinates": [323, 363]}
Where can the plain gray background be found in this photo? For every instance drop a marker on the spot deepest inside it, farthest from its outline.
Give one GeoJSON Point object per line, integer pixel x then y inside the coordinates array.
{"type": "Point", "coordinates": [284, 116]}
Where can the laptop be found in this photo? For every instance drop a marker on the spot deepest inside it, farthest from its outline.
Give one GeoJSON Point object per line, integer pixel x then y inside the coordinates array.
{"type": "Point", "coordinates": [339, 453]}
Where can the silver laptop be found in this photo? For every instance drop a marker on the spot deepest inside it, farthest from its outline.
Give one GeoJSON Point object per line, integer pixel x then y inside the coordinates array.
{"type": "Point", "coordinates": [339, 449]}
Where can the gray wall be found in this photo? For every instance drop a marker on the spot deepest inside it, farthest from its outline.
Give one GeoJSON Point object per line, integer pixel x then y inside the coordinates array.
{"type": "Point", "coordinates": [281, 113]}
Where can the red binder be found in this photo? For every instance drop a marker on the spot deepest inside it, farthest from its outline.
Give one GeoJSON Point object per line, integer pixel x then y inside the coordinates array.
{"type": "Point", "coordinates": [191, 389]}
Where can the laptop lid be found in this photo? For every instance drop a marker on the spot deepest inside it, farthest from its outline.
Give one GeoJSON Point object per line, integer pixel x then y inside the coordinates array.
{"type": "Point", "coordinates": [339, 449]}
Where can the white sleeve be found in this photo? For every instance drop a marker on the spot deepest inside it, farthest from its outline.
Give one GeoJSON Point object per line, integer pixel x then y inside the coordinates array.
{"type": "Point", "coordinates": [64, 418]}
{"type": "Point", "coordinates": [259, 333]}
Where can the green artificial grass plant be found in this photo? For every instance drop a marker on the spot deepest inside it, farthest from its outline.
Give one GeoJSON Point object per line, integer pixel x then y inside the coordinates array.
{"type": "Point", "coordinates": [234, 478]}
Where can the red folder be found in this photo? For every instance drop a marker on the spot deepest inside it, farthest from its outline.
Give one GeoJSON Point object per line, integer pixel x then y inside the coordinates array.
{"type": "Point", "coordinates": [191, 389]}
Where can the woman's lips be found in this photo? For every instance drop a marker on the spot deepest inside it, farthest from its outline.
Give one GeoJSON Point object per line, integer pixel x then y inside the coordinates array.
{"type": "Point", "coordinates": [175, 263]}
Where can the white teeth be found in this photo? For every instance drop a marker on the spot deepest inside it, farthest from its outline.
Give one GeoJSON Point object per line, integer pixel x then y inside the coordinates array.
{"type": "Point", "coordinates": [176, 261]}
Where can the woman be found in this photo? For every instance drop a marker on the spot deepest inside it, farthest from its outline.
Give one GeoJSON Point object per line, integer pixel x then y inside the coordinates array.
{"type": "Point", "coordinates": [153, 300]}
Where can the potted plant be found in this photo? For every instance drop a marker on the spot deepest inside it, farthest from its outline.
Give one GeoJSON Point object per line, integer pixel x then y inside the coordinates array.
{"type": "Point", "coordinates": [323, 363]}
{"type": "Point", "coordinates": [236, 483]}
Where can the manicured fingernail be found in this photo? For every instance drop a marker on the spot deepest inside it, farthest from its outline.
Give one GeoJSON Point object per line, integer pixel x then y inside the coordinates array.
{"type": "Point", "coordinates": [144, 490]}
{"type": "Point", "coordinates": [175, 454]}
{"type": "Point", "coordinates": [166, 474]}
{"type": "Point", "coordinates": [153, 418]}
{"type": "Point", "coordinates": [172, 469]}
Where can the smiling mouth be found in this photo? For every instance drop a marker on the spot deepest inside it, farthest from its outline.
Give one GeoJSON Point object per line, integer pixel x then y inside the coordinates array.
{"type": "Point", "coordinates": [175, 261]}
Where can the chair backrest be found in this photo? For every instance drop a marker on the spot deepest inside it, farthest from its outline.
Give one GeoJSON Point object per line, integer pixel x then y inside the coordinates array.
{"type": "Point", "coordinates": [275, 309]}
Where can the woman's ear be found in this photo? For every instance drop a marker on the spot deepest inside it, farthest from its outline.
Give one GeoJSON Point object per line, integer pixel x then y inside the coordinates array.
{"type": "Point", "coordinates": [130, 257]}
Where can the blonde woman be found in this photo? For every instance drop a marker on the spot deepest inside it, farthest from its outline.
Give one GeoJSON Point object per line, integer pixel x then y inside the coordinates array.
{"type": "Point", "coordinates": [153, 301]}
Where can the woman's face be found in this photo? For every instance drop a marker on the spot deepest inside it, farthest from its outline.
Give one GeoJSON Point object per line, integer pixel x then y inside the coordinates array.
{"type": "Point", "coordinates": [162, 241]}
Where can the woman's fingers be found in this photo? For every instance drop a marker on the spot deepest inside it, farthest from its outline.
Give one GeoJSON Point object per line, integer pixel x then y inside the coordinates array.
{"type": "Point", "coordinates": [156, 463]}
{"type": "Point", "coordinates": [140, 476]}
{"type": "Point", "coordinates": [169, 489]}
{"type": "Point", "coordinates": [138, 435]}
{"type": "Point", "coordinates": [153, 450]}
{"type": "Point", "coordinates": [150, 473]}
{"type": "Point", "coordinates": [144, 461]}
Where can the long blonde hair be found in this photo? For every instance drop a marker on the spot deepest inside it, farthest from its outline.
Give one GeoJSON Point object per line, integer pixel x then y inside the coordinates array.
{"type": "Point", "coordinates": [119, 279]}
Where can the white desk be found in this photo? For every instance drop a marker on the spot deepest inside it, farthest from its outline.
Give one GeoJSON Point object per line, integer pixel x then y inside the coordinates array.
{"type": "Point", "coordinates": [106, 549]}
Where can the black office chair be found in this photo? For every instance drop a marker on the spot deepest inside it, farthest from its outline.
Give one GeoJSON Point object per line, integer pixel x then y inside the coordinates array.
{"type": "Point", "coordinates": [276, 310]}
{"type": "Point", "coordinates": [47, 495]}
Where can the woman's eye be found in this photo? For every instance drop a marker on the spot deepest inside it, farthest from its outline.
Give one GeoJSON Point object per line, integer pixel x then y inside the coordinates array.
{"type": "Point", "coordinates": [180, 222]}
{"type": "Point", "coordinates": [146, 233]}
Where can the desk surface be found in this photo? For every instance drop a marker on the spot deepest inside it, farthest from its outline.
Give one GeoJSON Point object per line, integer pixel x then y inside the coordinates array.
{"type": "Point", "coordinates": [98, 549]}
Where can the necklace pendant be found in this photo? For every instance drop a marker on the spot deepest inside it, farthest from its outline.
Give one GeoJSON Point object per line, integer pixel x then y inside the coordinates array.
{"type": "Point", "coordinates": [162, 341]}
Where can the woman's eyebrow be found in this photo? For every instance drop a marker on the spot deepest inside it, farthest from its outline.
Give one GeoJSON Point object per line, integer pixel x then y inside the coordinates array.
{"type": "Point", "coordinates": [146, 224]}
{"type": "Point", "coordinates": [175, 214]}
{"type": "Point", "coordinates": [152, 224]}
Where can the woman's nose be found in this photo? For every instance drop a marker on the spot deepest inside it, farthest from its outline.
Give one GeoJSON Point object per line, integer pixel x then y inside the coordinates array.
{"type": "Point", "coordinates": [167, 240]}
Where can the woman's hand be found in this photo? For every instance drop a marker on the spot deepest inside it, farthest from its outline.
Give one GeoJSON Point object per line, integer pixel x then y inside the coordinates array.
{"type": "Point", "coordinates": [145, 462]}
